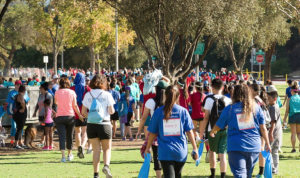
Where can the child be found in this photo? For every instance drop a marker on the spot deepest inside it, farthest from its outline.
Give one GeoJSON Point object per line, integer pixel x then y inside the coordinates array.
{"type": "Point", "coordinates": [275, 133]}
{"type": "Point", "coordinates": [49, 115]}
{"type": "Point", "coordinates": [2, 130]}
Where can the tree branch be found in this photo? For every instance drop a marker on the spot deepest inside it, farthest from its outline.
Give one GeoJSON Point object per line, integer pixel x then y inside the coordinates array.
{"type": "Point", "coordinates": [4, 9]}
{"type": "Point", "coordinates": [4, 47]}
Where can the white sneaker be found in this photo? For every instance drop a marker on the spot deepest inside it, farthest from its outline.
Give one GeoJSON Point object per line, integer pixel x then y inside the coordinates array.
{"type": "Point", "coordinates": [106, 171]}
{"type": "Point", "coordinates": [89, 151]}
{"type": "Point", "coordinates": [207, 157]}
{"type": "Point", "coordinates": [63, 160]}
{"type": "Point", "coordinates": [70, 158]}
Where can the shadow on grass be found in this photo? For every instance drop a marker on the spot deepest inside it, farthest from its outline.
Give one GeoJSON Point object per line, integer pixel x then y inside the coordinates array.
{"type": "Point", "coordinates": [125, 149]}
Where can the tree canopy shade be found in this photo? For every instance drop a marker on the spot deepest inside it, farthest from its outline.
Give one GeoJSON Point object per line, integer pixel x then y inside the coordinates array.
{"type": "Point", "coordinates": [3, 8]}
{"type": "Point", "coordinates": [16, 30]}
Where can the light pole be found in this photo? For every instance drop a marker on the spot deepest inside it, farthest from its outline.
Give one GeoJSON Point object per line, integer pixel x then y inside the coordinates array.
{"type": "Point", "coordinates": [62, 59]}
{"type": "Point", "coordinates": [117, 52]}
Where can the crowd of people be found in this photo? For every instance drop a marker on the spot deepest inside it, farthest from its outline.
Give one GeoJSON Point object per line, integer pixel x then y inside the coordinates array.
{"type": "Point", "coordinates": [230, 114]}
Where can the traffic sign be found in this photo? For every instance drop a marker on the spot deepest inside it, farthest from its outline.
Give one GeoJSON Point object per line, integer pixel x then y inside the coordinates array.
{"type": "Point", "coordinates": [45, 59]}
{"type": "Point", "coordinates": [259, 58]}
{"type": "Point", "coordinates": [199, 49]}
{"type": "Point", "coordinates": [263, 63]}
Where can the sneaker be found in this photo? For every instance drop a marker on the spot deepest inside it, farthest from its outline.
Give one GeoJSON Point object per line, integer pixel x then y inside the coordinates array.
{"type": "Point", "coordinates": [70, 158]}
{"type": "Point", "coordinates": [280, 151]}
{"type": "Point", "coordinates": [25, 147]}
{"type": "Point", "coordinates": [80, 153]}
{"type": "Point", "coordinates": [50, 148]}
{"type": "Point", "coordinates": [275, 172]}
{"type": "Point", "coordinates": [293, 151]}
{"type": "Point", "coordinates": [40, 145]}
{"type": "Point", "coordinates": [218, 160]}
{"type": "Point", "coordinates": [207, 157]}
{"type": "Point", "coordinates": [131, 139]}
{"type": "Point", "coordinates": [89, 151]}
{"type": "Point", "coordinates": [106, 171]}
{"type": "Point", "coordinates": [18, 147]}
{"type": "Point", "coordinates": [124, 139]}
{"type": "Point", "coordinates": [63, 160]}
{"type": "Point", "coordinates": [45, 148]}
{"type": "Point", "coordinates": [259, 176]}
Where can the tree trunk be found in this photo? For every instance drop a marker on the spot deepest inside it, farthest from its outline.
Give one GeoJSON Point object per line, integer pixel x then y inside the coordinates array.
{"type": "Point", "coordinates": [54, 60]}
{"type": "Point", "coordinates": [268, 57]}
{"type": "Point", "coordinates": [6, 72]}
{"type": "Point", "coordinates": [97, 62]}
{"type": "Point", "coordinates": [92, 54]}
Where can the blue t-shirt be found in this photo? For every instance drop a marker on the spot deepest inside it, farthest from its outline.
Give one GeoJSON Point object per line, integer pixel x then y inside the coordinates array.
{"type": "Point", "coordinates": [294, 105]}
{"type": "Point", "coordinates": [142, 98]}
{"type": "Point", "coordinates": [131, 101]}
{"type": "Point", "coordinates": [116, 97]}
{"type": "Point", "coordinates": [288, 92]}
{"type": "Point", "coordinates": [228, 95]}
{"type": "Point", "coordinates": [54, 90]}
{"type": "Point", "coordinates": [50, 91]}
{"type": "Point", "coordinates": [171, 134]}
{"type": "Point", "coordinates": [11, 100]}
{"type": "Point", "coordinates": [241, 136]}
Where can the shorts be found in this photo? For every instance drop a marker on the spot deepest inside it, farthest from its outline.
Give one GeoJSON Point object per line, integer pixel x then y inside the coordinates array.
{"type": "Point", "coordinates": [129, 116]}
{"type": "Point", "coordinates": [218, 143]}
{"type": "Point", "coordinates": [199, 120]}
{"type": "Point", "coordinates": [101, 131]}
{"type": "Point", "coordinates": [114, 116]}
{"type": "Point", "coordinates": [294, 119]}
{"type": "Point", "coordinates": [49, 124]}
{"type": "Point", "coordinates": [79, 123]}
{"type": "Point", "coordinates": [147, 121]}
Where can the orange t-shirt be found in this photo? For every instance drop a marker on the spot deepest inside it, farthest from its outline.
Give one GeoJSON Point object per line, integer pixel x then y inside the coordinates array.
{"type": "Point", "coordinates": [64, 99]}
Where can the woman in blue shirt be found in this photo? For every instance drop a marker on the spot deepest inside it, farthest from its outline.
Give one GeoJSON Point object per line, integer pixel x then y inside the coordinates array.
{"type": "Point", "coordinates": [171, 122]}
{"type": "Point", "coordinates": [243, 136]}
{"type": "Point", "coordinates": [293, 111]}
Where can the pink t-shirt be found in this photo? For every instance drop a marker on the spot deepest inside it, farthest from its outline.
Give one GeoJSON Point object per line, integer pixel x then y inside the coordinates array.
{"type": "Point", "coordinates": [64, 98]}
{"type": "Point", "coordinates": [48, 119]}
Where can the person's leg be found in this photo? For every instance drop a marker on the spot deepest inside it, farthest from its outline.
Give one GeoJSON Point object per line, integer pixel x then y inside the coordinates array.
{"type": "Point", "coordinates": [50, 136]}
{"type": "Point", "coordinates": [275, 158]}
{"type": "Point", "coordinates": [78, 136]}
{"type": "Point", "coordinates": [106, 146]}
{"type": "Point", "coordinates": [293, 135]}
{"type": "Point", "coordinates": [178, 169]}
{"type": "Point", "coordinates": [168, 168]}
{"type": "Point", "coordinates": [114, 124]}
{"type": "Point", "coordinates": [223, 163]}
{"type": "Point", "coordinates": [157, 165]}
{"type": "Point", "coordinates": [61, 129]}
{"type": "Point", "coordinates": [237, 163]}
{"type": "Point", "coordinates": [251, 160]}
{"type": "Point", "coordinates": [23, 120]}
{"type": "Point", "coordinates": [13, 129]}
{"type": "Point", "coordinates": [83, 136]}
{"type": "Point", "coordinates": [70, 124]}
{"type": "Point", "coordinates": [96, 154]}
{"type": "Point", "coordinates": [122, 128]}
{"type": "Point", "coordinates": [298, 133]}
{"type": "Point", "coordinates": [19, 130]}
{"type": "Point", "coordinates": [195, 123]}
{"type": "Point", "coordinates": [47, 130]}
{"type": "Point", "coordinates": [212, 162]}
{"type": "Point", "coordinates": [261, 158]}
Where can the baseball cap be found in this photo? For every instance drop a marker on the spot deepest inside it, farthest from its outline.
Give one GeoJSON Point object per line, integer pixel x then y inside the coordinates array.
{"type": "Point", "coordinates": [55, 77]}
{"type": "Point", "coordinates": [18, 82]}
{"type": "Point", "coordinates": [206, 82]}
{"type": "Point", "coordinates": [272, 88]}
{"type": "Point", "coordinates": [162, 84]}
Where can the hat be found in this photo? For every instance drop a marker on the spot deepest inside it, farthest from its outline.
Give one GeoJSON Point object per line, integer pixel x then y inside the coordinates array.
{"type": "Point", "coordinates": [37, 80]}
{"type": "Point", "coordinates": [87, 78]}
{"type": "Point", "coordinates": [206, 82]}
{"type": "Point", "coordinates": [272, 88]}
{"type": "Point", "coordinates": [18, 82]}
{"type": "Point", "coordinates": [162, 84]}
{"type": "Point", "coordinates": [55, 77]}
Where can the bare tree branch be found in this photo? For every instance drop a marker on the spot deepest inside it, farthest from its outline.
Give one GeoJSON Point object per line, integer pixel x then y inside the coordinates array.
{"type": "Point", "coordinates": [4, 47]}
{"type": "Point", "coordinates": [4, 9]}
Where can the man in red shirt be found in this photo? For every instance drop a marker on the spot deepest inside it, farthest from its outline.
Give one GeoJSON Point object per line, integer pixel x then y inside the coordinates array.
{"type": "Point", "coordinates": [246, 77]}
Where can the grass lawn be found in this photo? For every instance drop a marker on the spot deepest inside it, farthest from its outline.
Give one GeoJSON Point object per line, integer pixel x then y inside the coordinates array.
{"type": "Point", "coordinates": [125, 163]}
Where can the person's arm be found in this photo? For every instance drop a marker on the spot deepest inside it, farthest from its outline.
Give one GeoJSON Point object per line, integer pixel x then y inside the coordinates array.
{"type": "Point", "coordinates": [285, 98]}
{"type": "Point", "coordinates": [22, 101]}
{"type": "Point", "coordinates": [271, 131]}
{"type": "Point", "coordinates": [287, 110]}
{"type": "Point", "coordinates": [36, 109]}
{"type": "Point", "coordinates": [46, 113]}
{"type": "Point", "coordinates": [214, 130]}
{"type": "Point", "coordinates": [264, 132]}
{"type": "Point", "coordinates": [190, 134]}
{"type": "Point", "coordinates": [150, 141]}
{"type": "Point", "coordinates": [84, 111]}
{"type": "Point", "coordinates": [165, 79]}
{"type": "Point", "coordinates": [111, 109]}
{"type": "Point", "coordinates": [204, 123]}
{"type": "Point", "coordinates": [142, 122]}
{"type": "Point", "coordinates": [76, 109]}
{"type": "Point", "coordinates": [54, 114]}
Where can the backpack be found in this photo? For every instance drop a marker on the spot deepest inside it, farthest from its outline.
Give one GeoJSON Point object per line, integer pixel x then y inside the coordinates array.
{"type": "Point", "coordinates": [15, 109]}
{"type": "Point", "coordinates": [266, 113]}
{"type": "Point", "coordinates": [216, 110]}
{"type": "Point", "coordinates": [96, 112]}
{"type": "Point", "coordinates": [122, 108]}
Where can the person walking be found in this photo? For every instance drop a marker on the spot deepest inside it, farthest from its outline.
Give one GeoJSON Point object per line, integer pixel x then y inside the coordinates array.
{"type": "Point", "coordinates": [100, 133]}
{"type": "Point", "coordinates": [115, 117]}
{"type": "Point", "coordinates": [246, 123]}
{"type": "Point", "coordinates": [172, 122]}
{"type": "Point", "coordinates": [65, 117]}
{"type": "Point", "coordinates": [80, 126]}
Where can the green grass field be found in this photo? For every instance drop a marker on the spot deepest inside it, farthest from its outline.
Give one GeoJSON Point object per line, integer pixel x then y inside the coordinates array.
{"type": "Point", "coordinates": [125, 163]}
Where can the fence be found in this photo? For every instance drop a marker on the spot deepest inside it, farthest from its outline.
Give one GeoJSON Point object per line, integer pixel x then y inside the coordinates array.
{"type": "Point", "coordinates": [256, 75]}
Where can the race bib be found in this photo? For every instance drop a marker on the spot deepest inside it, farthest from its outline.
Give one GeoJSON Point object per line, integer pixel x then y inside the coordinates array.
{"type": "Point", "coordinates": [172, 127]}
{"type": "Point", "coordinates": [243, 125]}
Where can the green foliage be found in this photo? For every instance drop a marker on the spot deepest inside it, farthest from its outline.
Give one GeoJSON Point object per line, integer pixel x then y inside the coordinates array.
{"type": "Point", "coordinates": [280, 67]}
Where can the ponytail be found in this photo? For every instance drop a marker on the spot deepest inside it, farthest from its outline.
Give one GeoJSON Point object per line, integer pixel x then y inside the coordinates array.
{"type": "Point", "coordinates": [295, 86]}
{"type": "Point", "coordinates": [264, 96]}
{"type": "Point", "coordinates": [199, 88]}
{"type": "Point", "coordinates": [172, 94]}
{"type": "Point", "coordinates": [182, 83]}
{"type": "Point", "coordinates": [225, 90]}
{"type": "Point", "coordinates": [127, 94]}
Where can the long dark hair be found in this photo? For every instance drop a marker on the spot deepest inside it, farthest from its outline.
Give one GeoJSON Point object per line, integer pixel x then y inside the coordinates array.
{"type": "Point", "coordinates": [172, 93]}
{"type": "Point", "coordinates": [262, 92]}
{"type": "Point", "coordinates": [225, 90]}
{"type": "Point", "coordinates": [181, 82]}
{"type": "Point", "coordinates": [199, 88]}
{"type": "Point", "coordinates": [159, 97]}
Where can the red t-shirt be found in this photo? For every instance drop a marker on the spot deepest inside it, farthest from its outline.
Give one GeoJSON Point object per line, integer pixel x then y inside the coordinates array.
{"type": "Point", "coordinates": [223, 78]}
{"type": "Point", "coordinates": [196, 105]}
{"type": "Point", "coordinates": [74, 72]}
{"type": "Point", "coordinates": [182, 101]}
{"type": "Point", "coordinates": [88, 89]}
{"type": "Point", "coordinates": [232, 78]}
{"type": "Point", "coordinates": [146, 97]}
{"type": "Point", "coordinates": [193, 78]}
{"type": "Point", "coordinates": [245, 77]}
{"type": "Point", "coordinates": [188, 81]}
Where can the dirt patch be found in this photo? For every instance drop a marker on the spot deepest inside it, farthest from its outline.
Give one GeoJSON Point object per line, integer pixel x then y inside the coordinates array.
{"type": "Point", "coordinates": [117, 143]}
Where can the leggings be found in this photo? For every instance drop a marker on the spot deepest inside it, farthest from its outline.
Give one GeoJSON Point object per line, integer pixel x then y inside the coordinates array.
{"type": "Point", "coordinates": [13, 128]}
{"type": "Point", "coordinates": [129, 116]}
{"type": "Point", "coordinates": [157, 165]}
{"type": "Point", "coordinates": [172, 169]}
{"type": "Point", "coordinates": [20, 122]}
{"type": "Point", "coordinates": [65, 127]}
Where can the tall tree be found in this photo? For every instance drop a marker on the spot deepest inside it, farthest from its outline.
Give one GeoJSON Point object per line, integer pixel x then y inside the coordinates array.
{"type": "Point", "coordinates": [16, 30]}
{"type": "Point", "coordinates": [3, 8]}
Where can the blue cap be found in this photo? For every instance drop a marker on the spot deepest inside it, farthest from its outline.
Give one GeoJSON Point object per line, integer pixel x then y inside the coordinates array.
{"type": "Point", "coordinates": [206, 82]}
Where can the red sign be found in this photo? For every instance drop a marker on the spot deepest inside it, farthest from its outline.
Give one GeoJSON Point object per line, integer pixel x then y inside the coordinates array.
{"type": "Point", "coordinates": [259, 58]}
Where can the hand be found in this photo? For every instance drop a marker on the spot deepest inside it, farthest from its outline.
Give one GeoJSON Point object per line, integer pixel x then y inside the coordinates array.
{"type": "Point", "coordinates": [212, 134]}
{"type": "Point", "coordinates": [195, 157]}
{"type": "Point", "coordinates": [284, 123]}
{"type": "Point", "coordinates": [268, 148]}
{"type": "Point", "coordinates": [147, 151]}
{"type": "Point", "coordinates": [138, 135]}
{"type": "Point", "coordinates": [271, 138]}
{"type": "Point", "coordinates": [21, 110]}
{"type": "Point", "coordinates": [81, 118]}
{"type": "Point", "coordinates": [201, 135]}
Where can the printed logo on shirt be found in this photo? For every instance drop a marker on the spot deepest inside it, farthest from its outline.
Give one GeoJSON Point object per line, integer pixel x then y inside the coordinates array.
{"type": "Point", "coordinates": [171, 127]}
{"type": "Point", "coordinates": [100, 99]}
{"type": "Point", "coordinates": [243, 125]}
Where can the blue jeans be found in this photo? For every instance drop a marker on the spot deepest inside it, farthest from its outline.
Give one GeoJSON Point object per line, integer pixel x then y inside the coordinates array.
{"type": "Point", "coordinates": [242, 163]}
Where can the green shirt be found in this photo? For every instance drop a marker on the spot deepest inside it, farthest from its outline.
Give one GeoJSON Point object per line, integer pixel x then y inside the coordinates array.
{"type": "Point", "coordinates": [33, 83]}
{"type": "Point", "coordinates": [294, 105]}
{"type": "Point", "coordinates": [117, 88]}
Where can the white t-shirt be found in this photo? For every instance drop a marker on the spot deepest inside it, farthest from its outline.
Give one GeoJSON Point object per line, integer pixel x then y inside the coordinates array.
{"type": "Point", "coordinates": [150, 104]}
{"type": "Point", "coordinates": [56, 86]}
{"type": "Point", "coordinates": [105, 98]}
{"type": "Point", "coordinates": [209, 104]}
